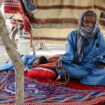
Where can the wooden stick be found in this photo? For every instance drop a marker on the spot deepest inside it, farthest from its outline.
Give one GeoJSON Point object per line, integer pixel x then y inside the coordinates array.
{"type": "Point", "coordinates": [16, 60]}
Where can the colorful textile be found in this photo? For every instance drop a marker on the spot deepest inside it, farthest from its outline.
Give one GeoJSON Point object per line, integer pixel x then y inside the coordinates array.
{"type": "Point", "coordinates": [12, 6]}
{"type": "Point", "coordinates": [42, 93]}
{"type": "Point", "coordinates": [15, 7]}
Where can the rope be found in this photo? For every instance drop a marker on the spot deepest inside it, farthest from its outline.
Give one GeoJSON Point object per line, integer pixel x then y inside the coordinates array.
{"type": "Point", "coordinates": [66, 76]}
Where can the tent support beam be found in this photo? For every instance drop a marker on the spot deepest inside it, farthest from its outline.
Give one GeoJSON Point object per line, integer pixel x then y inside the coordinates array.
{"type": "Point", "coordinates": [16, 59]}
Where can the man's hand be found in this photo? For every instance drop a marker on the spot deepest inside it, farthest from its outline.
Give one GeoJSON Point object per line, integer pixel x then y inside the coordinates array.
{"type": "Point", "coordinates": [101, 67]}
{"type": "Point", "coordinates": [58, 64]}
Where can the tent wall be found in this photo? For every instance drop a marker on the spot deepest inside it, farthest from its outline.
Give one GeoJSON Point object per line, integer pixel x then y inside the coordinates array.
{"type": "Point", "coordinates": [64, 13]}
{"type": "Point", "coordinates": [54, 19]}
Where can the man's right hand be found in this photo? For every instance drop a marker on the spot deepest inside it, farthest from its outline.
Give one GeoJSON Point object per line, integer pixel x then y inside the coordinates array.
{"type": "Point", "coordinates": [101, 67]}
{"type": "Point", "coordinates": [58, 64]}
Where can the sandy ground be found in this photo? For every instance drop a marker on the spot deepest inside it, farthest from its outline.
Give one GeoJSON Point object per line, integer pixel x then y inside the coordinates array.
{"type": "Point", "coordinates": [48, 50]}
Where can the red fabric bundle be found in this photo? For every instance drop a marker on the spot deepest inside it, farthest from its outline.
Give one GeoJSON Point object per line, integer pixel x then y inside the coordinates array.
{"type": "Point", "coordinates": [41, 72]}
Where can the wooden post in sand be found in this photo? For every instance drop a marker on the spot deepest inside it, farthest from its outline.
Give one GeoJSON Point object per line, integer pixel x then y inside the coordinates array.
{"type": "Point", "coordinates": [16, 59]}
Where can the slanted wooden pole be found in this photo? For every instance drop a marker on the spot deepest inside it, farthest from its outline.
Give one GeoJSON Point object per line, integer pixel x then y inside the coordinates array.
{"type": "Point", "coordinates": [16, 60]}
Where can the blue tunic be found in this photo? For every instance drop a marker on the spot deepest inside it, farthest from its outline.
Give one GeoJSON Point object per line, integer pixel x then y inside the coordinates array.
{"type": "Point", "coordinates": [93, 54]}
{"type": "Point", "coordinates": [27, 60]}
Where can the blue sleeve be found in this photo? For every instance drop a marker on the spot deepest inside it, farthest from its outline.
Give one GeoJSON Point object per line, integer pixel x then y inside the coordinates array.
{"type": "Point", "coordinates": [7, 66]}
{"type": "Point", "coordinates": [70, 48]}
{"type": "Point", "coordinates": [29, 59]}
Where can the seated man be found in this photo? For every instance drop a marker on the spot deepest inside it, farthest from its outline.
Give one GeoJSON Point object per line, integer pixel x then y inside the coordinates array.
{"type": "Point", "coordinates": [30, 61]}
{"type": "Point", "coordinates": [85, 51]}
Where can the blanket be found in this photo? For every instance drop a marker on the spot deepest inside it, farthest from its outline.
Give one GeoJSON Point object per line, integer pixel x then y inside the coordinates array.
{"type": "Point", "coordinates": [39, 92]}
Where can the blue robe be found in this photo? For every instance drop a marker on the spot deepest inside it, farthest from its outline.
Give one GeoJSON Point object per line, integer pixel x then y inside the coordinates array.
{"type": "Point", "coordinates": [93, 55]}
{"type": "Point", "coordinates": [27, 60]}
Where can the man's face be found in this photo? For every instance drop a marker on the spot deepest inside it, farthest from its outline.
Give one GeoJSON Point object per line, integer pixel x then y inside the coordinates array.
{"type": "Point", "coordinates": [89, 21]}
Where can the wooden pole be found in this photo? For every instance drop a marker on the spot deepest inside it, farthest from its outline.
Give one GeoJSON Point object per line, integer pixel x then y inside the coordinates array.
{"type": "Point", "coordinates": [16, 60]}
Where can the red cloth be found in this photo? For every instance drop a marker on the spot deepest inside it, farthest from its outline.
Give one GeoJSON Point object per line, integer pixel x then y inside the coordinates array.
{"type": "Point", "coordinates": [41, 73]}
{"type": "Point", "coordinates": [12, 6]}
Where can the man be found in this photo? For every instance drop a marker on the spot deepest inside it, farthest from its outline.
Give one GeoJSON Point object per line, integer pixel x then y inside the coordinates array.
{"type": "Point", "coordinates": [85, 52]}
